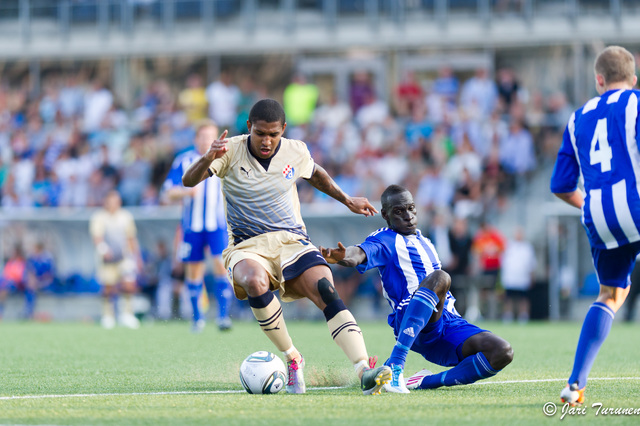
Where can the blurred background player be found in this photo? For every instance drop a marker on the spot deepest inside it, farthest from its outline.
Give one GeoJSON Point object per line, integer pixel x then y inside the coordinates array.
{"type": "Point", "coordinates": [270, 248]}
{"type": "Point", "coordinates": [13, 275]}
{"type": "Point", "coordinates": [517, 274]}
{"type": "Point", "coordinates": [600, 147]}
{"type": "Point", "coordinates": [113, 231]}
{"type": "Point", "coordinates": [203, 225]}
{"type": "Point", "coordinates": [424, 318]}
{"type": "Point", "coordinates": [40, 272]}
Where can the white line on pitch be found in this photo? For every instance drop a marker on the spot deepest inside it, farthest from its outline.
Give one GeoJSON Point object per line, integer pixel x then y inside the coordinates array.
{"type": "Point", "coordinates": [220, 392]}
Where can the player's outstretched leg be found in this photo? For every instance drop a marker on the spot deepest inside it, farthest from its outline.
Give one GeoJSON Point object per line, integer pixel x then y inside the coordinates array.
{"type": "Point", "coordinates": [494, 354]}
{"type": "Point", "coordinates": [595, 330]}
{"type": "Point", "coordinates": [268, 311]}
{"type": "Point", "coordinates": [416, 315]}
{"type": "Point", "coordinates": [348, 336]}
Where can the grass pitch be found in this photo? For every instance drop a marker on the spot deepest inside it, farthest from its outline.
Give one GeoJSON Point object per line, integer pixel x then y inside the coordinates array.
{"type": "Point", "coordinates": [80, 374]}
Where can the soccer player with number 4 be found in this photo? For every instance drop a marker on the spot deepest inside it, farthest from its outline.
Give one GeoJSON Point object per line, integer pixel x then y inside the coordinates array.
{"type": "Point", "coordinates": [269, 248]}
{"type": "Point", "coordinates": [600, 147]}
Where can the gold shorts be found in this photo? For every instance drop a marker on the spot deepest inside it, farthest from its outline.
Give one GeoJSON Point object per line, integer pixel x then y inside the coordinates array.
{"type": "Point", "coordinates": [275, 251]}
{"type": "Point", "coordinates": [110, 274]}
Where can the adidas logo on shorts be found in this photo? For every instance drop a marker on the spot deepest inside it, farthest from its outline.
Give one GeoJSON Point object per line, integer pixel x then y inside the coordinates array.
{"type": "Point", "coordinates": [409, 332]}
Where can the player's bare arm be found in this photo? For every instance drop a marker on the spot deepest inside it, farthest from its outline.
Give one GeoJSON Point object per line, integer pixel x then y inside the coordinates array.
{"type": "Point", "coordinates": [575, 198]}
{"type": "Point", "coordinates": [345, 256]}
{"type": "Point", "coordinates": [178, 193]}
{"type": "Point", "coordinates": [323, 182]}
{"type": "Point", "coordinates": [199, 169]}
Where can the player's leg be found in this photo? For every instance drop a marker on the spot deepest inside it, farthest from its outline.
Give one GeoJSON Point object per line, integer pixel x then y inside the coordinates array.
{"type": "Point", "coordinates": [425, 306]}
{"type": "Point", "coordinates": [482, 354]}
{"type": "Point", "coordinates": [4, 292]}
{"type": "Point", "coordinates": [108, 278]}
{"type": "Point", "coordinates": [524, 308]}
{"type": "Point", "coordinates": [192, 254]}
{"type": "Point", "coordinates": [224, 294]}
{"type": "Point", "coordinates": [128, 289]}
{"type": "Point", "coordinates": [254, 279]}
{"type": "Point", "coordinates": [30, 293]}
{"type": "Point", "coordinates": [507, 307]}
{"type": "Point", "coordinates": [613, 268]}
{"type": "Point", "coordinates": [194, 279]}
{"type": "Point", "coordinates": [316, 283]}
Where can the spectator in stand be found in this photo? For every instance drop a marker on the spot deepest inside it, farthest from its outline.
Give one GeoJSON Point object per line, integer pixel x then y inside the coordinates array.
{"type": "Point", "coordinates": [332, 114]}
{"type": "Point", "coordinates": [299, 100]}
{"type": "Point", "coordinates": [408, 95]}
{"type": "Point", "coordinates": [435, 190]}
{"type": "Point", "coordinates": [446, 85]}
{"type": "Point", "coordinates": [135, 173]}
{"type": "Point", "coordinates": [479, 95]}
{"type": "Point", "coordinates": [487, 247]}
{"type": "Point", "coordinates": [518, 267]}
{"type": "Point", "coordinates": [374, 111]}
{"type": "Point", "coordinates": [13, 275]}
{"type": "Point", "coordinates": [193, 99]}
{"type": "Point", "coordinates": [97, 102]}
{"type": "Point", "coordinates": [361, 88]}
{"type": "Point", "coordinates": [517, 153]}
{"type": "Point", "coordinates": [223, 97]}
{"type": "Point", "coordinates": [508, 88]}
{"type": "Point", "coordinates": [40, 273]}
{"type": "Point", "coordinates": [71, 97]}
{"type": "Point", "coordinates": [418, 128]}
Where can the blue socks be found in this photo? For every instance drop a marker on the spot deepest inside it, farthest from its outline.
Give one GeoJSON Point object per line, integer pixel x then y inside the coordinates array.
{"type": "Point", "coordinates": [470, 369]}
{"type": "Point", "coordinates": [195, 289]}
{"type": "Point", "coordinates": [29, 303]}
{"type": "Point", "coordinates": [595, 330]}
{"type": "Point", "coordinates": [224, 294]}
{"type": "Point", "coordinates": [416, 316]}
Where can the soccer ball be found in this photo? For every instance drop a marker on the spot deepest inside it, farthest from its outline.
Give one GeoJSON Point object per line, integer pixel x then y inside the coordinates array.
{"type": "Point", "coordinates": [263, 372]}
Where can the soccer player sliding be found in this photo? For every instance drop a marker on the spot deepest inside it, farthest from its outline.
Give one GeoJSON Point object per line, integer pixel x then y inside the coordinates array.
{"type": "Point", "coordinates": [424, 318]}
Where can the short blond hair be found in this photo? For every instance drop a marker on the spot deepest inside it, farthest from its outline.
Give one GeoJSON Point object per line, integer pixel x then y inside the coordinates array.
{"type": "Point", "coordinates": [616, 65]}
{"type": "Point", "coordinates": [205, 122]}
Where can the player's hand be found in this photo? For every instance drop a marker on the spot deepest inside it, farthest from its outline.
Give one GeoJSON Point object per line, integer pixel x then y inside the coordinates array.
{"type": "Point", "coordinates": [218, 147]}
{"type": "Point", "coordinates": [334, 255]}
{"type": "Point", "coordinates": [360, 205]}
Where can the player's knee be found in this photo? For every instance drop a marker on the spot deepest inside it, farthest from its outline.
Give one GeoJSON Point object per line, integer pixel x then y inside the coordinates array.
{"type": "Point", "coordinates": [439, 281]}
{"type": "Point", "coordinates": [502, 355]}
{"type": "Point", "coordinates": [327, 291]}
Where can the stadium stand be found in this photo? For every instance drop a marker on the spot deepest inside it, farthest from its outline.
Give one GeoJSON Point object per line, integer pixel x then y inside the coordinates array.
{"type": "Point", "coordinates": [471, 127]}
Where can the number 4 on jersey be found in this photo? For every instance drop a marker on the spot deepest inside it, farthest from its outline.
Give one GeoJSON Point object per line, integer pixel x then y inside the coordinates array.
{"type": "Point", "coordinates": [602, 153]}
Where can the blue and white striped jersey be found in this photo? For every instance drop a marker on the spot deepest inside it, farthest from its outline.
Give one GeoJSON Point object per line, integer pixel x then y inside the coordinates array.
{"type": "Point", "coordinates": [600, 147]}
{"type": "Point", "coordinates": [403, 261]}
{"type": "Point", "coordinates": [205, 210]}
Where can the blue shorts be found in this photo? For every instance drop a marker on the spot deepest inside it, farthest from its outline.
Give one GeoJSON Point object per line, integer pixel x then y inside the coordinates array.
{"type": "Point", "coordinates": [614, 266]}
{"type": "Point", "coordinates": [194, 243]}
{"type": "Point", "coordinates": [441, 342]}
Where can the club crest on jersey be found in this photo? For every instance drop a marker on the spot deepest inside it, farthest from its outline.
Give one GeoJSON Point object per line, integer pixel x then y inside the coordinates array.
{"type": "Point", "coordinates": [288, 172]}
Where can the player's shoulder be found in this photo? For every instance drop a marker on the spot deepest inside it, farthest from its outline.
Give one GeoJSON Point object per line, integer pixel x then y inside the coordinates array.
{"type": "Point", "coordinates": [236, 143]}
{"type": "Point", "coordinates": [381, 233]}
{"type": "Point", "coordinates": [189, 155]}
{"type": "Point", "coordinates": [293, 144]}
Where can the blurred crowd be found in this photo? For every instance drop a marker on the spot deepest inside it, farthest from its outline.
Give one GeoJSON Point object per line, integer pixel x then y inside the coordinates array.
{"type": "Point", "coordinates": [458, 145]}
{"type": "Point", "coordinates": [461, 145]}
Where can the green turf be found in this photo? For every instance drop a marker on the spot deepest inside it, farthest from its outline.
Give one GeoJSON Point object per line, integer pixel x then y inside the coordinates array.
{"type": "Point", "coordinates": [63, 359]}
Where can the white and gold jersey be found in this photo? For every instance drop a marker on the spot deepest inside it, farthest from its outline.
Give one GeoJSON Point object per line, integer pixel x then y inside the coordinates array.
{"type": "Point", "coordinates": [258, 201]}
{"type": "Point", "coordinates": [115, 229]}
